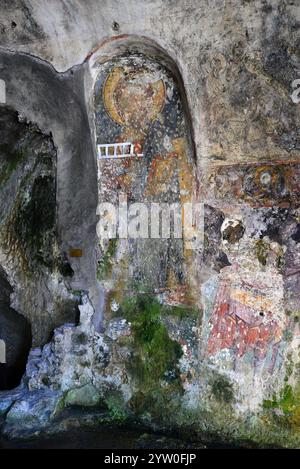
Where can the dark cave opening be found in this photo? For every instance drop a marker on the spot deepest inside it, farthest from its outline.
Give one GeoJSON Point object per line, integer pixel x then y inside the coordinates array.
{"type": "Point", "coordinates": [15, 333]}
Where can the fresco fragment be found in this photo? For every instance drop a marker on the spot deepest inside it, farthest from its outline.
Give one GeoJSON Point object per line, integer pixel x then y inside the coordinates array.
{"type": "Point", "coordinates": [137, 101]}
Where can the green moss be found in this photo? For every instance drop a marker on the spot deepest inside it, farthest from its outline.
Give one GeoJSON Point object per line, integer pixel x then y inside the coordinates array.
{"type": "Point", "coordinates": [261, 251]}
{"type": "Point", "coordinates": [289, 368]}
{"type": "Point", "coordinates": [285, 402]}
{"type": "Point", "coordinates": [30, 229]}
{"type": "Point", "coordinates": [11, 164]}
{"type": "Point", "coordinates": [116, 407]}
{"type": "Point", "coordinates": [288, 402]}
{"type": "Point", "coordinates": [181, 312]}
{"type": "Point", "coordinates": [154, 361]}
{"type": "Point", "coordinates": [222, 389]}
{"type": "Point", "coordinates": [33, 223]}
{"type": "Point", "coordinates": [156, 353]}
{"type": "Point", "coordinates": [106, 263]}
{"type": "Point", "coordinates": [139, 287]}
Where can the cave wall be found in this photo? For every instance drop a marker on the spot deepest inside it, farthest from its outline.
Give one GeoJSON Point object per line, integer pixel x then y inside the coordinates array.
{"type": "Point", "coordinates": [31, 257]}
{"type": "Point", "coordinates": [43, 284]}
{"type": "Point", "coordinates": [137, 100]}
{"type": "Point", "coordinates": [235, 63]}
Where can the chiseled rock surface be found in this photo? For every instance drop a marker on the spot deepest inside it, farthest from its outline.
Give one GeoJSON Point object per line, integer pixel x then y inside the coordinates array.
{"type": "Point", "coordinates": [71, 358]}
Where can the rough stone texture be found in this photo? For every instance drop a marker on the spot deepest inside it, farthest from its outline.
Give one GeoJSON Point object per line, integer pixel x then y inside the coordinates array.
{"type": "Point", "coordinates": [234, 62]}
{"type": "Point", "coordinates": [8, 398]}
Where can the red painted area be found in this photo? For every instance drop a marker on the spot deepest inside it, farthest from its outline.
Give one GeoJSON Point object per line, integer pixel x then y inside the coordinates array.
{"type": "Point", "coordinates": [239, 327]}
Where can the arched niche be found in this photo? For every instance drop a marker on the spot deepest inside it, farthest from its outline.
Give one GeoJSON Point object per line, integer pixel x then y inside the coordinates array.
{"type": "Point", "coordinates": [112, 48]}
{"type": "Point", "coordinates": [145, 155]}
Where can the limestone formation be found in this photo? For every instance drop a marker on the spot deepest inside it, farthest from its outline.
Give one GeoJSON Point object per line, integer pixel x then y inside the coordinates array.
{"type": "Point", "coordinates": [115, 118]}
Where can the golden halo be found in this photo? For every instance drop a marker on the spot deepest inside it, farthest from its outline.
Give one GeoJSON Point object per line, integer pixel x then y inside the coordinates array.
{"type": "Point", "coordinates": [109, 101]}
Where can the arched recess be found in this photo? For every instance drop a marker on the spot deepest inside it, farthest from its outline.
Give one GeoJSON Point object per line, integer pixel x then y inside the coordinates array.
{"type": "Point", "coordinates": [112, 48]}
{"type": "Point", "coordinates": [138, 97]}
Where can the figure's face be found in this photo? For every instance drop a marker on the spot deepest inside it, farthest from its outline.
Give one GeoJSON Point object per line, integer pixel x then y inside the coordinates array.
{"type": "Point", "coordinates": [134, 97]}
{"type": "Point", "coordinates": [135, 103]}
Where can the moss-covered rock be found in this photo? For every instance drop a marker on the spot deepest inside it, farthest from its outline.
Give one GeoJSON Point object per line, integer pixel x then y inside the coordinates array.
{"type": "Point", "coordinates": [153, 364]}
{"type": "Point", "coordinates": [116, 406]}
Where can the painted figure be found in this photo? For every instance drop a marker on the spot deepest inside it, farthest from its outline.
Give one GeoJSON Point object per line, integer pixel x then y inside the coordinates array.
{"type": "Point", "coordinates": [237, 325]}
{"type": "Point", "coordinates": [138, 102]}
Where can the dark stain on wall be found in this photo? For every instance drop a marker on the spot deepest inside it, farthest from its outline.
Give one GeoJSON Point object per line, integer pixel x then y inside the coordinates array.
{"type": "Point", "coordinates": [15, 331]}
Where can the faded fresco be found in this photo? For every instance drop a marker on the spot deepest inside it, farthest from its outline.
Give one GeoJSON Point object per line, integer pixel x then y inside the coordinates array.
{"type": "Point", "coordinates": [144, 155]}
{"type": "Point", "coordinates": [251, 310]}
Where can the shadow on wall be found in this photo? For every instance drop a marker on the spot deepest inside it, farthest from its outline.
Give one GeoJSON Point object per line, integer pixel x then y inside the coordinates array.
{"type": "Point", "coordinates": [15, 332]}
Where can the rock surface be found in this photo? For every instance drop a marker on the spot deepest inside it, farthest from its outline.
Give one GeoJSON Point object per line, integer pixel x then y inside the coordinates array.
{"type": "Point", "coordinates": [221, 356]}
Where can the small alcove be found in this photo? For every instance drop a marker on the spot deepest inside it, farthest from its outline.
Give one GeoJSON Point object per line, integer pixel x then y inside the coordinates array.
{"type": "Point", "coordinates": [146, 156]}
